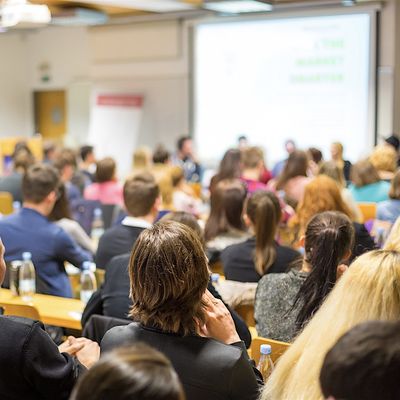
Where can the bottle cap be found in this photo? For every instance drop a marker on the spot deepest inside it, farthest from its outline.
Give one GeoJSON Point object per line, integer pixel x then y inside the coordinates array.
{"type": "Point", "coordinates": [26, 256]}
{"type": "Point", "coordinates": [86, 265]}
{"type": "Point", "coordinates": [214, 277]}
{"type": "Point", "coordinates": [265, 349]}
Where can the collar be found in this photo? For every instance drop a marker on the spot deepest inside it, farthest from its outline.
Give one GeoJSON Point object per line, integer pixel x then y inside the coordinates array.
{"type": "Point", "coordinates": [136, 222]}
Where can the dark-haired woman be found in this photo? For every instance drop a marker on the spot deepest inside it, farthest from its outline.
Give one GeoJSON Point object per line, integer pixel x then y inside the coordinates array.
{"type": "Point", "coordinates": [229, 168]}
{"type": "Point", "coordinates": [175, 314]}
{"type": "Point", "coordinates": [285, 302]}
{"type": "Point", "coordinates": [260, 254]}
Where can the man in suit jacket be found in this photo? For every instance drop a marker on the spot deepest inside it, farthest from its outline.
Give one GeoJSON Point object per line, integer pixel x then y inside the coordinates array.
{"type": "Point", "coordinates": [142, 201]}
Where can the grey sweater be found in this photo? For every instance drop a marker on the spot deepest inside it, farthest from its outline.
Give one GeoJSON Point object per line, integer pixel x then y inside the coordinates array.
{"type": "Point", "coordinates": [276, 293]}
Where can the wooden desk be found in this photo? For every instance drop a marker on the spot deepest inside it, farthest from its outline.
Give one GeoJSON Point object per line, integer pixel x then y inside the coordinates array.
{"type": "Point", "coordinates": [53, 310]}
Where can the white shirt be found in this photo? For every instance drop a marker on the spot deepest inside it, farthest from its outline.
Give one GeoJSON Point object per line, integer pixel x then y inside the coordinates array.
{"type": "Point", "coordinates": [136, 222]}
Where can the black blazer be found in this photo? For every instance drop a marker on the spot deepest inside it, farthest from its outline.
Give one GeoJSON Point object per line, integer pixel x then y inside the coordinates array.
{"type": "Point", "coordinates": [113, 300]}
{"type": "Point", "coordinates": [116, 240]}
{"type": "Point", "coordinates": [31, 366]}
{"type": "Point", "coordinates": [208, 369]}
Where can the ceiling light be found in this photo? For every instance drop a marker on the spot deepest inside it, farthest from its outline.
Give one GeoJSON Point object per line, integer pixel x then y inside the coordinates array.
{"type": "Point", "coordinates": [348, 3]}
{"type": "Point", "coordinates": [144, 5]}
{"type": "Point", "coordinates": [237, 6]}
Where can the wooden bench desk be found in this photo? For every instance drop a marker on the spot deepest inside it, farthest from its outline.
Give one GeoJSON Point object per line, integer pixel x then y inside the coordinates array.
{"type": "Point", "coordinates": [53, 310]}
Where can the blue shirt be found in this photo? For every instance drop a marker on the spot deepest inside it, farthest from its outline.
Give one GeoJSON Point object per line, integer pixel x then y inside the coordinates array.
{"type": "Point", "coordinates": [374, 192]}
{"type": "Point", "coordinates": [49, 244]}
{"type": "Point", "coordinates": [388, 210]}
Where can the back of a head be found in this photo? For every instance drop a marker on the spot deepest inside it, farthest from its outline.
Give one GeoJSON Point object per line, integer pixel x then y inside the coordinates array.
{"type": "Point", "coordinates": [368, 290]}
{"type": "Point", "coordinates": [384, 158]}
{"type": "Point", "coordinates": [321, 194]}
{"type": "Point", "coordinates": [331, 169]}
{"type": "Point", "coordinates": [251, 157]}
{"type": "Point", "coordinates": [61, 207]}
{"type": "Point", "coordinates": [142, 158]}
{"type": "Point", "coordinates": [229, 168]}
{"type": "Point", "coordinates": [364, 364]}
{"type": "Point", "coordinates": [140, 194]}
{"type": "Point", "coordinates": [315, 154]}
{"type": "Point", "coordinates": [38, 182]}
{"type": "Point", "coordinates": [67, 157]}
{"type": "Point", "coordinates": [329, 238]}
{"type": "Point", "coordinates": [363, 173]}
{"type": "Point", "coordinates": [161, 155]}
{"type": "Point", "coordinates": [187, 219]}
{"type": "Point", "coordinates": [169, 274]}
{"type": "Point", "coordinates": [105, 170]}
{"type": "Point", "coordinates": [264, 211]}
{"type": "Point", "coordinates": [23, 160]}
{"type": "Point", "coordinates": [393, 141]}
{"type": "Point", "coordinates": [226, 202]}
{"type": "Point", "coordinates": [296, 165]}
{"type": "Point", "coordinates": [132, 373]}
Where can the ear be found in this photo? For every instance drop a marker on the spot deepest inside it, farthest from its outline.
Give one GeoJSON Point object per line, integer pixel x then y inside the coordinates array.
{"type": "Point", "coordinates": [51, 197]}
{"type": "Point", "coordinates": [347, 255]}
{"type": "Point", "coordinates": [157, 204]}
{"type": "Point", "coordinates": [246, 220]}
{"type": "Point", "coordinates": [302, 241]}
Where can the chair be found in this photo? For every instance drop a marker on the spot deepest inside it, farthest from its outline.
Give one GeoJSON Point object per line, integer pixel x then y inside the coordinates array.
{"type": "Point", "coordinates": [278, 348]}
{"type": "Point", "coordinates": [368, 211]}
{"type": "Point", "coordinates": [21, 310]}
{"type": "Point", "coordinates": [99, 274]}
{"type": "Point", "coordinates": [82, 211]}
{"type": "Point", "coordinates": [247, 313]}
{"type": "Point", "coordinates": [6, 203]}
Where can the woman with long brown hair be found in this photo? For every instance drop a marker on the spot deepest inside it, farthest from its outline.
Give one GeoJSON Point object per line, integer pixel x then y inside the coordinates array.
{"type": "Point", "coordinates": [250, 260]}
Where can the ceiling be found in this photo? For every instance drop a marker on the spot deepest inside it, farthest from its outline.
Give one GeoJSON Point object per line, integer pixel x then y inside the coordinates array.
{"type": "Point", "coordinates": [112, 10]}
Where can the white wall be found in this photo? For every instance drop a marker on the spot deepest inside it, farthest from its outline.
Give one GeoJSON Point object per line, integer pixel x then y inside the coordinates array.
{"type": "Point", "coordinates": [15, 100]}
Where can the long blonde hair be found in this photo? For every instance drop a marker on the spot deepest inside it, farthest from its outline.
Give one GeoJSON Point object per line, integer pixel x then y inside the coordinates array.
{"type": "Point", "coordinates": [369, 290]}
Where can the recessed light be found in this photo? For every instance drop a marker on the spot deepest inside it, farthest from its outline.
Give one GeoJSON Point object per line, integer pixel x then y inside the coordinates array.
{"type": "Point", "coordinates": [237, 6]}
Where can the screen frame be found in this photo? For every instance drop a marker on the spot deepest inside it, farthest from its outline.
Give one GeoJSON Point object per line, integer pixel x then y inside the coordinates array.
{"type": "Point", "coordinates": [373, 12]}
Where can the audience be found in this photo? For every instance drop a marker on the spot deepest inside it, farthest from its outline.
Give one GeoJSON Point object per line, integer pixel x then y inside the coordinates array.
{"type": "Point", "coordinates": [12, 183]}
{"type": "Point", "coordinates": [33, 366]}
{"type": "Point", "coordinates": [293, 178]}
{"type": "Point", "coordinates": [290, 147]}
{"type": "Point", "coordinates": [88, 164]}
{"type": "Point", "coordinates": [186, 159]}
{"type": "Point", "coordinates": [315, 158]}
{"type": "Point", "coordinates": [225, 225]}
{"type": "Point", "coordinates": [260, 254]}
{"type": "Point", "coordinates": [285, 302]}
{"type": "Point", "coordinates": [175, 314]}
{"type": "Point", "coordinates": [106, 189]}
{"type": "Point", "coordinates": [366, 291]}
{"type": "Point", "coordinates": [323, 194]}
{"type": "Point", "coordinates": [141, 159]}
{"type": "Point", "coordinates": [394, 142]}
{"type": "Point", "coordinates": [183, 196]}
{"type": "Point", "coordinates": [141, 199]}
{"type": "Point", "coordinates": [229, 168]}
{"type": "Point", "coordinates": [364, 363]}
{"type": "Point", "coordinates": [384, 160]}
{"type": "Point", "coordinates": [366, 184]}
{"type": "Point", "coordinates": [331, 169]}
{"type": "Point", "coordinates": [389, 210]}
{"type": "Point", "coordinates": [132, 373]}
{"type": "Point", "coordinates": [61, 216]}
{"type": "Point", "coordinates": [30, 230]}
{"type": "Point", "coordinates": [337, 157]}
{"type": "Point", "coordinates": [162, 171]}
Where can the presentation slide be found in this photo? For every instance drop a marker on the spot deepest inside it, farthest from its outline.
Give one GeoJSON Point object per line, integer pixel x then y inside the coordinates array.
{"type": "Point", "coordinates": [306, 79]}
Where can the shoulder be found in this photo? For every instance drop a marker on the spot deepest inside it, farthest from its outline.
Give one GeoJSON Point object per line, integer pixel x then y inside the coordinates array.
{"type": "Point", "coordinates": [287, 251]}
{"type": "Point", "coordinates": [14, 327]}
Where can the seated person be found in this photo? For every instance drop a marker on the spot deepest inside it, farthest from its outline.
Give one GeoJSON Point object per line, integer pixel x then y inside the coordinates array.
{"type": "Point", "coordinates": [12, 183]}
{"type": "Point", "coordinates": [33, 367]}
{"type": "Point", "coordinates": [133, 373]}
{"type": "Point", "coordinates": [389, 210]}
{"type": "Point", "coordinates": [366, 184]}
{"type": "Point", "coordinates": [113, 300]}
{"type": "Point", "coordinates": [364, 363]}
{"type": "Point", "coordinates": [285, 302]}
{"type": "Point", "coordinates": [186, 159]}
{"type": "Point", "coordinates": [178, 316]}
{"type": "Point", "coordinates": [252, 160]}
{"type": "Point", "coordinates": [61, 215]}
{"type": "Point", "coordinates": [141, 199]}
{"type": "Point", "coordinates": [261, 254]}
{"type": "Point", "coordinates": [88, 164]}
{"type": "Point", "coordinates": [30, 230]}
{"type": "Point", "coordinates": [106, 189]}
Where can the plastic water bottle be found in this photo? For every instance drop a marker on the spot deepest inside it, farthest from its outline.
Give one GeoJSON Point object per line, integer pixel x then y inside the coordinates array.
{"type": "Point", "coordinates": [27, 277]}
{"type": "Point", "coordinates": [215, 280]}
{"type": "Point", "coordinates": [88, 282]}
{"type": "Point", "coordinates": [97, 225]}
{"type": "Point", "coordinates": [265, 364]}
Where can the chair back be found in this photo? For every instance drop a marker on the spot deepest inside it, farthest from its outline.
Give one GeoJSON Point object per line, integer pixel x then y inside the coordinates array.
{"type": "Point", "coordinates": [21, 310]}
{"type": "Point", "coordinates": [6, 203]}
{"type": "Point", "coordinates": [111, 213]}
{"type": "Point", "coordinates": [368, 211]}
{"type": "Point", "coordinates": [278, 348]}
{"type": "Point", "coordinates": [83, 212]}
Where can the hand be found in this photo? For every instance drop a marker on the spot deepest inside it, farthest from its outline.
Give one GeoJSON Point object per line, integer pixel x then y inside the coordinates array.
{"type": "Point", "coordinates": [218, 321]}
{"type": "Point", "coordinates": [71, 346]}
{"type": "Point", "coordinates": [89, 354]}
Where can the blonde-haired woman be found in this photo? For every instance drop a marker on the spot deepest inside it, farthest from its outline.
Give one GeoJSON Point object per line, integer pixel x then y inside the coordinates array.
{"type": "Point", "coordinates": [369, 290]}
{"type": "Point", "coordinates": [384, 159]}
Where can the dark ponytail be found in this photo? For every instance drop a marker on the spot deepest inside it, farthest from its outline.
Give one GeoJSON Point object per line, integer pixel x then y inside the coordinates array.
{"type": "Point", "coordinates": [329, 236]}
{"type": "Point", "coordinates": [265, 213]}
